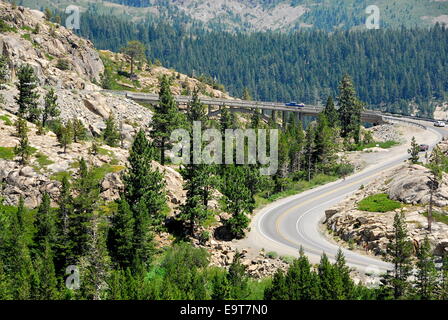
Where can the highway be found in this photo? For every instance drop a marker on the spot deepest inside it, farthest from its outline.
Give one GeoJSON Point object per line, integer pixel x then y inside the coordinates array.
{"type": "Point", "coordinates": [287, 224]}
{"type": "Point", "coordinates": [241, 105]}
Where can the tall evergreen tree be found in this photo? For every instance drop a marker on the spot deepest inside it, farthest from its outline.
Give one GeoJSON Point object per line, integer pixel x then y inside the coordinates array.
{"type": "Point", "coordinates": [400, 251]}
{"type": "Point", "coordinates": [135, 50]}
{"type": "Point", "coordinates": [111, 135]}
{"type": "Point", "coordinates": [28, 97]}
{"type": "Point", "coordinates": [23, 148]}
{"type": "Point", "coordinates": [51, 108]}
{"type": "Point", "coordinates": [121, 235]}
{"type": "Point", "coordinates": [144, 186]}
{"type": "Point", "coordinates": [196, 110]}
{"type": "Point", "coordinates": [46, 226]}
{"type": "Point", "coordinates": [426, 282]}
{"type": "Point", "coordinates": [237, 199]}
{"type": "Point", "coordinates": [331, 113]}
{"type": "Point", "coordinates": [414, 151]}
{"type": "Point", "coordinates": [166, 118]}
{"type": "Point", "coordinates": [349, 110]}
{"type": "Point", "coordinates": [310, 149]}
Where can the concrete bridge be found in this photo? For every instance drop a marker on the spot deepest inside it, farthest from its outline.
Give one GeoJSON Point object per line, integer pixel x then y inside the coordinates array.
{"type": "Point", "coordinates": [249, 106]}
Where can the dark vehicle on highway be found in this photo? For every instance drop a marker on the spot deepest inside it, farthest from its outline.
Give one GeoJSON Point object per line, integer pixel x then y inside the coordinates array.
{"type": "Point", "coordinates": [294, 104]}
{"type": "Point", "coordinates": [424, 147]}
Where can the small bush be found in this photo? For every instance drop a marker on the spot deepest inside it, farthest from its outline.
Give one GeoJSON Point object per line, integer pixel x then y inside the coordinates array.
{"type": "Point", "coordinates": [378, 203]}
{"type": "Point", "coordinates": [272, 255]}
{"type": "Point", "coordinates": [6, 120]}
{"type": "Point", "coordinates": [287, 259]}
{"type": "Point", "coordinates": [63, 64]}
{"type": "Point", "coordinates": [43, 160]}
{"type": "Point", "coordinates": [7, 153]}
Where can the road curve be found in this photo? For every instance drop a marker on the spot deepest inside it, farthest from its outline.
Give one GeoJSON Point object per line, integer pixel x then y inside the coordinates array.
{"type": "Point", "coordinates": [287, 224]}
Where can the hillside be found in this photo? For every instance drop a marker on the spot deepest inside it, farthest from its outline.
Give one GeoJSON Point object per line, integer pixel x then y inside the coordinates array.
{"type": "Point", "coordinates": [258, 15]}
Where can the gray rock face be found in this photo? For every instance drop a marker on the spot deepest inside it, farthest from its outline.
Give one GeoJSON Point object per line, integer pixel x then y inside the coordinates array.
{"type": "Point", "coordinates": [410, 185]}
{"type": "Point", "coordinates": [371, 231]}
{"type": "Point", "coordinates": [44, 49]}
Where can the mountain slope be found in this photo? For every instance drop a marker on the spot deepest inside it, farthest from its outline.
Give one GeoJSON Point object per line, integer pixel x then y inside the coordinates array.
{"type": "Point", "coordinates": [252, 15]}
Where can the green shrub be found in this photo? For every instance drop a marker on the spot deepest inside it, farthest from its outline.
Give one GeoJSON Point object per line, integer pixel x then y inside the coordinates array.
{"type": "Point", "coordinates": [4, 27]}
{"type": "Point", "coordinates": [6, 120]}
{"type": "Point", "coordinates": [7, 153]}
{"type": "Point", "coordinates": [63, 64]}
{"type": "Point", "coordinates": [287, 259]}
{"type": "Point", "coordinates": [378, 203]}
{"type": "Point", "coordinates": [43, 160]}
{"type": "Point", "coordinates": [272, 255]}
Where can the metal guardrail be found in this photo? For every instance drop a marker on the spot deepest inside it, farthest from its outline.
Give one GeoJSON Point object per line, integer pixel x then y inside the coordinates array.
{"type": "Point", "coordinates": [388, 118]}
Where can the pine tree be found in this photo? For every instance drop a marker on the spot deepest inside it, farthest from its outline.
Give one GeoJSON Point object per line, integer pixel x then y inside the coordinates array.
{"type": "Point", "coordinates": [414, 151]}
{"type": "Point", "coordinates": [46, 232]}
{"type": "Point", "coordinates": [331, 113]}
{"type": "Point", "coordinates": [343, 272]}
{"type": "Point", "coordinates": [196, 110]}
{"type": "Point", "coordinates": [78, 130]}
{"type": "Point", "coordinates": [22, 272]}
{"type": "Point", "coordinates": [64, 250]}
{"type": "Point", "coordinates": [330, 283]}
{"type": "Point", "coordinates": [23, 149]}
{"type": "Point", "coordinates": [136, 51]}
{"type": "Point", "coordinates": [220, 287]}
{"type": "Point", "coordinates": [4, 70]}
{"type": "Point", "coordinates": [426, 283]}
{"type": "Point", "coordinates": [166, 118]}
{"type": "Point", "coordinates": [278, 289]}
{"type": "Point", "coordinates": [144, 186]}
{"type": "Point", "coordinates": [301, 281]}
{"type": "Point", "coordinates": [84, 205]}
{"type": "Point", "coordinates": [324, 145]}
{"type": "Point", "coordinates": [21, 127]}
{"type": "Point", "coordinates": [28, 98]}
{"type": "Point", "coordinates": [96, 270]}
{"type": "Point", "coordinates": [65, 135]}
{"type": "Point", "coordinates": [121, 235]}
{"type": "Point", "coordinates": [434, 165]}
{"type": "Point", "coordinates": [51, 108]}
{"type": "Point", "coordinates": [237, 199]}
{"type": "Point", "coordinates": [45, 270]}
{"type": "Point", "coordinates": [400, 251]}
{"type": "Point", "coordinates": [237, 278]}
{"type": "Point", "coordinates": [144, 191]}
{"type": "Point", "coordinates": [246, 94]}
{"type": "Point", "coordinates": [349, 110]}
{"type": "Point", "coordinates": [227, 120]}
{"type": "Point", "coordinates": [444, 278]}
{"type": "Point", "coordinates": [111, 135]}
{"type": "Point", "coordinates": [310, 149]}
{"type": "Point", "coordinates": [297, 139]}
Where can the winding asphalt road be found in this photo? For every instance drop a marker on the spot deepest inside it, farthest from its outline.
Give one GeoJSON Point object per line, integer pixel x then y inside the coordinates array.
{"type": "Point", "coordinates": [287, 224]}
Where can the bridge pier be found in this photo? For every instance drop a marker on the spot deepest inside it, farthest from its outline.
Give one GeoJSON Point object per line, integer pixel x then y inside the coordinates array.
{"type": "Point", "coordinates": [300, 118]}
{"type": "Point", "coordinates": [284, 117]}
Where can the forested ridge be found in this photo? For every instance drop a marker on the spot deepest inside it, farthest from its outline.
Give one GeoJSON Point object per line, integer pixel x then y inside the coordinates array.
{"type": "Point", "coordinates": [390, 67]}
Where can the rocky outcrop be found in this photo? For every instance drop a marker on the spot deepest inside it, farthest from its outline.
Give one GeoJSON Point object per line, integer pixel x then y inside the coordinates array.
{"type": "Point", "coordinates": [371, 231]}
{"type": "Point", "coordinates": [385, 132]}
{"type": "Point", "coordinates": [411, 186]}
{"type": "Point", "coordinates": [44, 46]}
